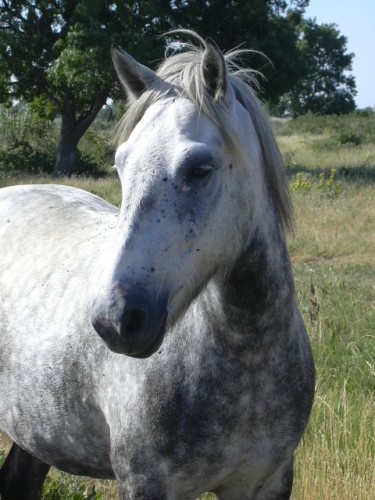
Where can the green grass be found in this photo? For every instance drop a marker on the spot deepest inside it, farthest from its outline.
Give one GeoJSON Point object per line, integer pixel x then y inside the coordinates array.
{"type": "Point", "coordinates": [333, 258]}
{"type": "Point", "coordinates": [332, 254]}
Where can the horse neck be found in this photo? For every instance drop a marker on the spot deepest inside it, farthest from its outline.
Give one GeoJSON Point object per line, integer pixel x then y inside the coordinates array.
{"type": "Point", "coordinates": [257, 296]}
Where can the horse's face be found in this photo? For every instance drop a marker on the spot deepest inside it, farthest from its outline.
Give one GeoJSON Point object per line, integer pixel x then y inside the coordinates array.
{"type": "Point", "coordinates": [185, 216]}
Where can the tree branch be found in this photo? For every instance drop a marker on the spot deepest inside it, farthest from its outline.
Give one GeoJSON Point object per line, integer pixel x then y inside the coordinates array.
{"type": "Point", "coordinates": [86, 119]}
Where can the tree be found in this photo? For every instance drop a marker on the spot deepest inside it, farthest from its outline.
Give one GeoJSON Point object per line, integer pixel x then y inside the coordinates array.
{"type": "Point", "coordinates": [56, 56]}
{"type": "Point", "coordinates": [325, 87]}
{"type": "Point", "coordinates": [270, 27]}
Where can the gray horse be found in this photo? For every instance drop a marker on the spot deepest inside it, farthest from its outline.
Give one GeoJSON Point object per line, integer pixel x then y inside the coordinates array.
{"type": "Point", "coordinates": [161, 344]}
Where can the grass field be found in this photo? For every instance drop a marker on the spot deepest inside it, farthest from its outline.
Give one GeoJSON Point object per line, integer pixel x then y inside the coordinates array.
{"type": "Point", "coordinates": [334, 264]}
{"type": "Point", "coordinates": [332, 252]}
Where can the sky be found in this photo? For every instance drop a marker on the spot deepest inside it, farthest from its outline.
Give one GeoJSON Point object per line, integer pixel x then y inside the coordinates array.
{"type": "Point", "coordinates": [356, 21]}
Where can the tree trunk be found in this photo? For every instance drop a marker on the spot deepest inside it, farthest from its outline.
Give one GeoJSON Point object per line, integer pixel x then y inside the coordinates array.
{"type": "Point", "coordinates": [72, 130]}
{"type": "Point", "coordinates": [67, 149]}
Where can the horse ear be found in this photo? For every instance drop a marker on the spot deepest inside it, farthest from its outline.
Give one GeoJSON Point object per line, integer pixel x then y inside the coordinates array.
{"type": "Point", "coordinates": [214, 71]}
{"type": "Point", "coordinates": [134, 77]}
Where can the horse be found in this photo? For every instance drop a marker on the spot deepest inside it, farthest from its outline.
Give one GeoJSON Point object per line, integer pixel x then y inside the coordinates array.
{"type": "Point", "coordinates": [159, 344]}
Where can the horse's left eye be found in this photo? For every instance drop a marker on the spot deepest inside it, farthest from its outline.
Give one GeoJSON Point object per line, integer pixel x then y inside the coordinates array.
{"type": "Point", "coordinates": [200, 172]}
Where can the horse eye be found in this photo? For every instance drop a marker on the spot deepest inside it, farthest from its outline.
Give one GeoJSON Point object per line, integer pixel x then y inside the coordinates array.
{"type": "Point", "coordinates": [200, 172]}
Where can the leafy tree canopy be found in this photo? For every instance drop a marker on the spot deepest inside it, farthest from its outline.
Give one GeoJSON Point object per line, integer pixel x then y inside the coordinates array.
{"type": "Point", "coordinates": [268, 27]}
{"type": "Point", "coordinates": [325, 87]}
{"type": "Point", "coordinates": [55, 54]}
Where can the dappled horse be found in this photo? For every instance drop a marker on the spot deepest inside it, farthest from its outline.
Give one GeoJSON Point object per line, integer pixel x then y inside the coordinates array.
{"type": "Point", "coordinates": [161, 344]}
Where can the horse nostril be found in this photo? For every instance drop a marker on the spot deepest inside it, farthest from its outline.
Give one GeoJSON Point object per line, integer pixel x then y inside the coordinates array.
{"type": "Point", "coordinates": [133, 322]}
{"type": "Point", "coordinates": [134, 325]}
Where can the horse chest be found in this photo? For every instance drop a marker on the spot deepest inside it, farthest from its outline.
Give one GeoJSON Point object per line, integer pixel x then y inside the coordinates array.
{"type": "Point", "coordinates": [196, 440]}
{"type": "Point", "coordinates": [206, 426]}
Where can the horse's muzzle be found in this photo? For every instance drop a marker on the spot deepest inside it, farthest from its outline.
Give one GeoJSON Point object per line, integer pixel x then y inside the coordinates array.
{"type": "Point", "coordinates": [137, 330]}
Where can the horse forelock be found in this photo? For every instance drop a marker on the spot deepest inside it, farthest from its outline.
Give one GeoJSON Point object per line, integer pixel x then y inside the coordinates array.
{"type": "Point", "coordinates": [180, 75]}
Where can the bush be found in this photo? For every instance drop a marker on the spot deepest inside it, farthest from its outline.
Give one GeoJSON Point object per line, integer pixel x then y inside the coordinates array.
{"type": "Point", "coordinates": [328, 187]}
{"type": "Point", "coordinates": [65, 487]}
{"type": "Point", "coordinates": [87, 165]}
{"type": "Point", "coordinates": [19, 157]}
{"type": "Point", "coordinates": [27, 142]}
{"type": "Point", "coordinates": [353, 129]}
{"type": "Point", "coordinates": [96, 152]}
{"type": "Point", "coordinates": [28, 145]}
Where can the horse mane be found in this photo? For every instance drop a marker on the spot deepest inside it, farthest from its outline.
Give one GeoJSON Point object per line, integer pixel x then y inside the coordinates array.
{"type": "Point", "coordinates": [180, 75]}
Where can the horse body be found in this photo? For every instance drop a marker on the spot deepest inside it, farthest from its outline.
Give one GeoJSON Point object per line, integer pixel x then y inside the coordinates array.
{"type": "Point", "coordinates": [191, 279]}
{"type": "Point", "coordinates": [38, 335]}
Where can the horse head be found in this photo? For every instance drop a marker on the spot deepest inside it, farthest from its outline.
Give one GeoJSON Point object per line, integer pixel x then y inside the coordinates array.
{"type": "Point", "coordinates": [190, 165]}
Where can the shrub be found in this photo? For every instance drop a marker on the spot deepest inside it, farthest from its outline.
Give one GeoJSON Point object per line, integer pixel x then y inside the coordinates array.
{"type": "Point", "coordinates": [353, 129]}
{"type": "Point", "coordinates": [28, 144]}
{"type": "Point", "coordinates": [301, 183]}
{"type": "Point", "coordinates": [65, 487]}
{"type": "Point", "coordinates": [328, 187]}
{"type": "Point", "coordinates": [19, 157]}
{"type": "Point", "coordinates": [95, 152]}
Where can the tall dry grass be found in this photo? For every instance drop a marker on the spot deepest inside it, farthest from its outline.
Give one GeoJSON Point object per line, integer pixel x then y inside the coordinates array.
{"type": "Point", "coordinates": [336, 458]}
{"type": "Point", "coordinates": [333, 258]}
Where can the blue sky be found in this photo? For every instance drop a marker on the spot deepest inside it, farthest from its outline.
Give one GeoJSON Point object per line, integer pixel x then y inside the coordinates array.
{"type": "Point", "coordinates": [355, 20]}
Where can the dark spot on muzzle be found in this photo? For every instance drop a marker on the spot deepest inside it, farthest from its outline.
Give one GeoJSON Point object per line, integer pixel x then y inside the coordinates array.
{"type": "Point", "coordinates": [141, 328]}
